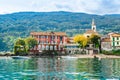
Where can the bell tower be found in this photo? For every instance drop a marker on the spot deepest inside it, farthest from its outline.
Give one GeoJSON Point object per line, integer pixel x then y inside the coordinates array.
{"type": "Point", "coordinates": [93, 26]}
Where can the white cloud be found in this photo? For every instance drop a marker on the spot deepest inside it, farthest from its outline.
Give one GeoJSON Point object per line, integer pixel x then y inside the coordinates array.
{"type": "Point", "coordinates": [87, 6]}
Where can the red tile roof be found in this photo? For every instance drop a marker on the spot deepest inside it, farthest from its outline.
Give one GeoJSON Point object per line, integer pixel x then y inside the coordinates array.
{"type": "Point", "coordinates": [49, 33]}
{"type": "Point", "coordinates": [115, 35]}
{"type": "Point", "coordinates": [106, 40]}
{"type": "Point", "coordinates": [91, 32]}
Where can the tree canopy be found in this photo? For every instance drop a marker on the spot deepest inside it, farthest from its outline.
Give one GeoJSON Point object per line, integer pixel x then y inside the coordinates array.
{"type": "Point", "coordinates": [30, 43]}
{"type": "Point", "coordinates": [2, 45]}
{"type": "Point", "coordinates": [20, 41]}
{"type": "Point", "coordinates": [81, 40]}
{"type": "Point", "coordinates": [24, 45]}
{"type": "Point", "coordinates": [95, 39]}
{"type": "Point", "coordinates": [19, 46]}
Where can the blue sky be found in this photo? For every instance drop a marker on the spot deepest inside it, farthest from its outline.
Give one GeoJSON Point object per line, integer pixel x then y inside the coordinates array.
{"type": "Point", "coordinates": [86, 6]}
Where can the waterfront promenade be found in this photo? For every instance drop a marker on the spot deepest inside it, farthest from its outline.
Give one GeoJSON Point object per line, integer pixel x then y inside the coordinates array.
{"type": "Point", "coordinates": [92, 56]}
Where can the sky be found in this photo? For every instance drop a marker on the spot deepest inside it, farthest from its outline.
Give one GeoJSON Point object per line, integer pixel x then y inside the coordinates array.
{"type": "Point", "coordinates": [100, 7]}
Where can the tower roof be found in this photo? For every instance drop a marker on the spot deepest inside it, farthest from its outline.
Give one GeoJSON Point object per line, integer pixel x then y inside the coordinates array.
{"type": "Point", "coordinates": [91, 32]}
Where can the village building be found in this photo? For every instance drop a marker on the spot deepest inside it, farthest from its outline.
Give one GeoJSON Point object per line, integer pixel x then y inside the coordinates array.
{"type": "Point", "coordinates": [106, 44]}
{"type": "Point", "coordinates": [71, 47]}
{"type": "Point", "coordinates": [112, 41]}
{"type": "Point", "coordinates": [115, 40]}
{"type": "Point", "coordinates": [50, 40]}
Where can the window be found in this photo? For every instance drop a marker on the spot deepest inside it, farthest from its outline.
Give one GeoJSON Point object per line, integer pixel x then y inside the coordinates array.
{"type": "Point", "coordinates": [113, 39]}
{"type": "Point", "coordinates": [53, 37]}
{"type": "Point", "coordinates": [42, 36]}
{"type": "Point", "coordinates": [47, 37]}
{"type": "Point", "coordinates": [117, 38]}
{"type": "Point", "coordinates": [57, 37]}
{"type": "Point", "coordinates": [39, 36]}
{"type": "Point", "coordinates": [117, 43]}
{"type": "Point", "coordinates": [61, 38]}
{"type": "Point", "coordinates": [113, 44]}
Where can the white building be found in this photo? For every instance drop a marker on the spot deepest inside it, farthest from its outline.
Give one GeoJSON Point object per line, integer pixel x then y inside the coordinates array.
{"type": "Point", "coordinates": [112, 41]}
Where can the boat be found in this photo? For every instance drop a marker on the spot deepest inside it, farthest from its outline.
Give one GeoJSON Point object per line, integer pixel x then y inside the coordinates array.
{"type": "Point", "coordinates": [20, 57]}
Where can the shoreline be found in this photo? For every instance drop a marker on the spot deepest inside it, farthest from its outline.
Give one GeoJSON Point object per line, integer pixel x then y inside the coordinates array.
{"type": "Point", "coordinates": [70, 56]}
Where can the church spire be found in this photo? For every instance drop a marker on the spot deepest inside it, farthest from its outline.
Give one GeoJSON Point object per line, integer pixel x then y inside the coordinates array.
{"type": "Point", "coordinates": [93, 26]}
{"type": "Point", "coordinates": [93, 22]}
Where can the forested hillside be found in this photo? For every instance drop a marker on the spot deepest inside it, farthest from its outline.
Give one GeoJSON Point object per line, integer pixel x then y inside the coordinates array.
{"type": "Point", "coordinates": [21, 24]}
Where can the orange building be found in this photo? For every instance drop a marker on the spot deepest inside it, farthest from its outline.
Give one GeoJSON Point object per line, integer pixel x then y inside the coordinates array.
{"type": "Point", "coordinates": [50, 40]}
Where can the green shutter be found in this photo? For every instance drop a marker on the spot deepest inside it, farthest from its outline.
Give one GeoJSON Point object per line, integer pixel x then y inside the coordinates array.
{"type": "Point", "coordinates": [113, 39]}
{"type": "Point", "coordinates": [113, 44]}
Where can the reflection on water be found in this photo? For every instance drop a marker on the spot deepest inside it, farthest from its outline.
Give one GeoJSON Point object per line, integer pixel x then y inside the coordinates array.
{"type": "Point", "coordinates": [59, 69]}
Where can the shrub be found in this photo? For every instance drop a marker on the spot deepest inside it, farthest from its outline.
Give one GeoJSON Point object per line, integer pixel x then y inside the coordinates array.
{"type": "Point", "coordinates": [113, 52]}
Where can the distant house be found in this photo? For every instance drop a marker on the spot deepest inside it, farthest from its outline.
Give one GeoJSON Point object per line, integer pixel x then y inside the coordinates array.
{"type": "Point", "coordinates": [112, 41]}
{"type": "Point", "coordinates": [71, 47]}
{"type": "Point", "coordinates": [115, 40]}
{"type": "Point", "coordinates": [50, 40]}
{"type": "Point", "coordinates": [106, 44]}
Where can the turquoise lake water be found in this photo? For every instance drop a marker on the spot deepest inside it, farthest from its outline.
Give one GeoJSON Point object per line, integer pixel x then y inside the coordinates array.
{"type": "Point", "coordinates": [59, 69]}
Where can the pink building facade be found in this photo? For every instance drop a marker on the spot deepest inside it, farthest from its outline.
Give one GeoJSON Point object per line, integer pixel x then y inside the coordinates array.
{"type": "Point", "coordinates": [50, 40]}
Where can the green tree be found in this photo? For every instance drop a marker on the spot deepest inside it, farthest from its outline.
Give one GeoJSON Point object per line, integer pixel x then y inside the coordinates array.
{"type": "Point", "coordinates": [30, 43]}
{"type": "Point", "coordinates": [95, 39]}
{"type": "Point", "coordinates": [2, 45]}
{"type": "Point", "coordinates": [20, 47]}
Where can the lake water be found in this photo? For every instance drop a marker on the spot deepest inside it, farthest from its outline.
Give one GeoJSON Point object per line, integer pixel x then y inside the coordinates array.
{"type": "Point", "coordinates": [59, 69]}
